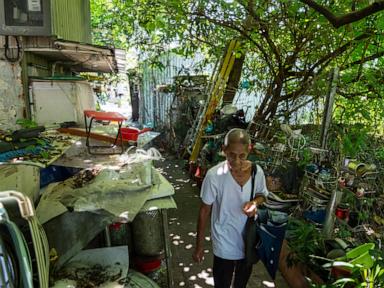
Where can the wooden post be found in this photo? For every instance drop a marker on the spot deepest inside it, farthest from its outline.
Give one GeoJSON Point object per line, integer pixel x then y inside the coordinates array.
{"type": "Point", "coordinates": [167, 247]}
{"type": "Point", "coordinates": [327, 119]}
{"type": "Point", "coordinates": [328, 109]}
{"type": "Point", "coordinates": [330, 217]}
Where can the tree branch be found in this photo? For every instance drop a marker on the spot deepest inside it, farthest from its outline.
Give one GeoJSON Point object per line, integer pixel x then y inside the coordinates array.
{"type": "Point", "coordinates": [361, 93]}
{"type": "Point", "coordinates": [363, 60]}
{"type": "Point", "coordinates": [264, 30]}
{"type": "Point", "coordinates": [230, 25]}
{"type": "Point", "coordinates": [338, 21]}
{"type": "Point", "coordinates": [301, 105]}
{"type": "Point", "coordinates": [339, 50]}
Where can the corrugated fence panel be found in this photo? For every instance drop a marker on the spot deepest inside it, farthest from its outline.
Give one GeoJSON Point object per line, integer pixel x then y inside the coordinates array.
{"type": "Point", "coordinates": [247, 100]}
{"type": "Point", "coordinates": [71, 20]}
{"type": "Point", "coordinates": [154, 105]}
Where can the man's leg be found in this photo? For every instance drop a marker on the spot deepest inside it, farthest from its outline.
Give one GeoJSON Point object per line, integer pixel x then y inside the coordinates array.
{"type": "Point", "coordinates": [242, 274]}
{"type": "Point", "coordinates": [222, 272]}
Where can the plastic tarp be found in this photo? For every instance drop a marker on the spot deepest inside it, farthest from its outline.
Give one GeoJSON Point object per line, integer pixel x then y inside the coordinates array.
{"type": "Point", "coordinates": [121, 193]}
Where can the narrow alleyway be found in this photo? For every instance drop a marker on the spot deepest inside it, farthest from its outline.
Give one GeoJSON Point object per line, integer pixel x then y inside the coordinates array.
{"type": "Point", "coordinates": [182, 229]}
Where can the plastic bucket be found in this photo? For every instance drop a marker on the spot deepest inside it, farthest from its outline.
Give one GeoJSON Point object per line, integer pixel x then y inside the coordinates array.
{"type": "Point", "coordinates": [148, 265]}
{"type": "Point", "coordinates": [129, 134]}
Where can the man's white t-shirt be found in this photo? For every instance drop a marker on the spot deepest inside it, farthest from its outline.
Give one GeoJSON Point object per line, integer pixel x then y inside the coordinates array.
{"type": "Point", "coordinates": [227, 198]}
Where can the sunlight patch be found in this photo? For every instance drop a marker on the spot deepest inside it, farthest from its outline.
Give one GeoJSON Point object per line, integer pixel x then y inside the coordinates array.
{"type": "Point", "coordinates": [268, 284]}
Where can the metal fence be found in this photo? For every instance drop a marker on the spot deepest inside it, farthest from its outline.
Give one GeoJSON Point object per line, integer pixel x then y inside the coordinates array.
{"type": "Point", "coordinates": [156, 93]}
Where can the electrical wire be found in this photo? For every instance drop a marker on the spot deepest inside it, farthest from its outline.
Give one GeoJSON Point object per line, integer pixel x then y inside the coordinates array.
{"type": "Point", "coordinates": [40, 244]}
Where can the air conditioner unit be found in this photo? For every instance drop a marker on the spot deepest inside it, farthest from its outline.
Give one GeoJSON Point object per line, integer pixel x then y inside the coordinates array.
{"type": "Point", "coordinates": [25, 17]}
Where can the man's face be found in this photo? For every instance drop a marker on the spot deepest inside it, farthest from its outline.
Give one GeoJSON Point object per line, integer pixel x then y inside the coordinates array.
{"type": "Point", "coordinates": [236, 154]}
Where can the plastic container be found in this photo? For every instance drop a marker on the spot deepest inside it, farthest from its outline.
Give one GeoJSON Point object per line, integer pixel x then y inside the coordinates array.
{"type": "Point", "coordinates": [148, 265]}
{"type": "Point", "coordinates": [131, 133]}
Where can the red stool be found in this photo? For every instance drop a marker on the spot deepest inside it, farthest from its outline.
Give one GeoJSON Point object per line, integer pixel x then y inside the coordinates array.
{"type": "Point", "coordinates": [103, 116]}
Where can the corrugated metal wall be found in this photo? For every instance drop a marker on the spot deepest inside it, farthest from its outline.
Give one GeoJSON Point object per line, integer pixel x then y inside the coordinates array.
{"type": "Point", "coordinates": [154, 105]}
{"type": "Point", "coordinates": [71, 20]}
{"type": "Point", "coordinates": [250, 99]}
{"type": "Point", "coordinates": [247, 100]}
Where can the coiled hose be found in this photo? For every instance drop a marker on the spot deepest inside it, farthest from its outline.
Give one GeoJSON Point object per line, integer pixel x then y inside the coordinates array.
{"type": "Point", "coordinates": [39, 239]}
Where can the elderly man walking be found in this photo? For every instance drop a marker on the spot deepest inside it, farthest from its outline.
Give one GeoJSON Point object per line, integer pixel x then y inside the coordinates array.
{"type": "Point", "coordinates": [225, 196]}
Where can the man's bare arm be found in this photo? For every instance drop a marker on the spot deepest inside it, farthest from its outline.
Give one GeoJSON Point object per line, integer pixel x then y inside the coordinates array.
{"type": "Point", "coordinates": [204, 215]}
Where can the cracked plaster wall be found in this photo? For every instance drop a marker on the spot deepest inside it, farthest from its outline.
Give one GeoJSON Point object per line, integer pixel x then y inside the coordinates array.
{"type": "Point", "coordinates": [11, 95]}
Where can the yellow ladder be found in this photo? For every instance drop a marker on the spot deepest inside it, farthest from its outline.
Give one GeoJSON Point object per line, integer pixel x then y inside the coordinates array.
{"type": "Point", "coordinates": [217, 91]}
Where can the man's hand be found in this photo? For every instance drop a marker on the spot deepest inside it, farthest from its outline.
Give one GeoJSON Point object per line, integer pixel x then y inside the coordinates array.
{"type": "Point", "coordinates": [250, 208]}
{"type": "Point", "coordinates": [198, 255]}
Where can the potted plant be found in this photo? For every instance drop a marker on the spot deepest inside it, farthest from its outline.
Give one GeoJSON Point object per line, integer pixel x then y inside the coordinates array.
{"type": "Point", "coordinates": [365, 265]}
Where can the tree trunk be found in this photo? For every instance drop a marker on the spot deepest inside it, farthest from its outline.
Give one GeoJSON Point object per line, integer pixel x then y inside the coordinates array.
{"type": "Point", "coordinates": [233, 80]}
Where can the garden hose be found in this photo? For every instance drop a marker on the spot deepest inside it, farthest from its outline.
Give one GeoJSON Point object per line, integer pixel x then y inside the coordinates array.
{"type": "Point", "coordinates": [21, 251]}
{"type": "Point", "coordinates": [39, 239]}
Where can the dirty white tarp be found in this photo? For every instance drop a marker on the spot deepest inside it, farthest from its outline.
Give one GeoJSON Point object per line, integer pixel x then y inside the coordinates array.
{"type": "Point", "coordinates": [120, 193]}
{"type": "Point", "coordinates": [96, 265]}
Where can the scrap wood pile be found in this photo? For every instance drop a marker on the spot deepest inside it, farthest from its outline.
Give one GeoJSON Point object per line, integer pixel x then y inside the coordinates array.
{"type": "Point", "coordinates": [340, 198]}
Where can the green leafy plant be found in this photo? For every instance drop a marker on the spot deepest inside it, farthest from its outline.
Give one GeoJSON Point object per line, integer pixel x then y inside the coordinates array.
{"type": "Point", "coordinates": [305, 157]}
{"type": "Point", "coordinates": [379, 154]}
{"type": "Point", "coordinates": [349, 140]}
{"type": "Point", "coordinates": [44, 154]}
{"type": "Point", "coordinates": [304, 239]}
{"type": "Point", "coordinates": [26, 123]}
{"type": "Point", "coordinates": [361, 274]}
{"type": "Point", "coordinates": [343, 231]}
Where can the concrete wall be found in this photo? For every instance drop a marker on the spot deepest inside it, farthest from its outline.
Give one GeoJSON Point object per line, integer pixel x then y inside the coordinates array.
{"type": "Point", "coordinates": [12, 104]}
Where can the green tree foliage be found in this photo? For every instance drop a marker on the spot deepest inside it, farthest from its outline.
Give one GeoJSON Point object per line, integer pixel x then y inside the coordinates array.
{"type": "Point", "coordinates": [290, 47]}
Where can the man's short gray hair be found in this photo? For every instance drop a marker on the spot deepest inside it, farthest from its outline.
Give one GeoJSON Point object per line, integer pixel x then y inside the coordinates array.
{"type": "Point", "coordinates": [237, 135]}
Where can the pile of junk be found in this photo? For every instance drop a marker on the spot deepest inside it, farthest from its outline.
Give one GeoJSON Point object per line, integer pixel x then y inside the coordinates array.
{"type": "Point", "coordinates": [58, 244]}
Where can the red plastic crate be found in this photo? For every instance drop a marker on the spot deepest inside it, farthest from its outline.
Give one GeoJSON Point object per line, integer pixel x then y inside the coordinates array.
{"type": "Point", "coordinates": [131, 134]}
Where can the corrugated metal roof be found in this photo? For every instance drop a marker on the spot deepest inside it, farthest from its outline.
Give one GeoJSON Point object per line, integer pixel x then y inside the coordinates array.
{"type": "Point", "coordinates": [84, 58]}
